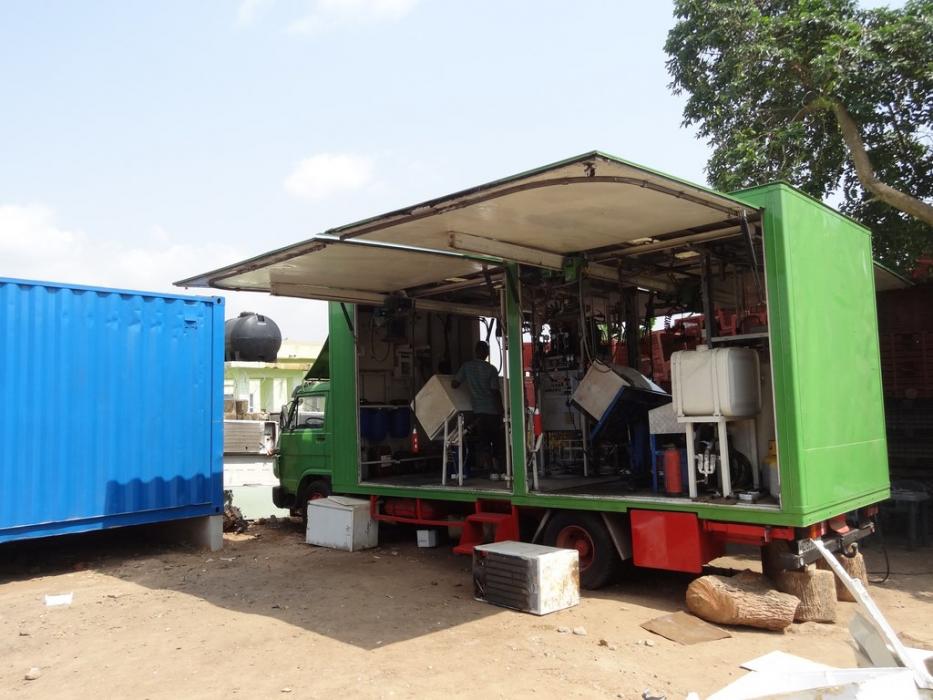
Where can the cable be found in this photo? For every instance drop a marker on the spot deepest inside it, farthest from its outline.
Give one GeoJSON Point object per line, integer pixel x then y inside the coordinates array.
{"type": "Point", "coordinates": [586, 350]}
{"type": "Point", "coordinates": [887, 561]}
{"type": "Point", "coordinates": [372, 341]}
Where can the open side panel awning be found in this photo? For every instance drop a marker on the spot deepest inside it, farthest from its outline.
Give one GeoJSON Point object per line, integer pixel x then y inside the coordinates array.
{"type": "Point", "coordinates": [363, 272]}
{"type": "Point", "coordinates": [596, 205]}
{"type": "Point", "coordinates": [591, 204]}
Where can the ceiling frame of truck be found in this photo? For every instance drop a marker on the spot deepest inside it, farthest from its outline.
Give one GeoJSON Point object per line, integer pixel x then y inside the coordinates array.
{"type": "Point", "coordinates": [594, 206]}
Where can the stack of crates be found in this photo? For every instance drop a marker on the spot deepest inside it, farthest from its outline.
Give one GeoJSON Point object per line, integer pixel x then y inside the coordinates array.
{"type": "Point", "coordinates": [905, 324]}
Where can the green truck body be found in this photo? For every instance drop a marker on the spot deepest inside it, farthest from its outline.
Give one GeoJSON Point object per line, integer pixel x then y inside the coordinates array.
{"type": "Point", "coordinates": [827, 383]}
{"type": "Point", "coordinates": [824, 362]}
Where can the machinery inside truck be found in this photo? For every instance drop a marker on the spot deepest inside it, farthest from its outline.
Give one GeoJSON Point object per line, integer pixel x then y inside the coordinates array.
{"type": "Point", "coordinates": [628, 390]}
{"type": "Point", "coordinates": [407, 363]}
{"type": "Point", "coordinates": [633, 391]}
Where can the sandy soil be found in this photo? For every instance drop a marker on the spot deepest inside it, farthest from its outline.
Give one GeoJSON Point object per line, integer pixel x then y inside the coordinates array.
{"type": "Point", "coordinates": [270, 617]}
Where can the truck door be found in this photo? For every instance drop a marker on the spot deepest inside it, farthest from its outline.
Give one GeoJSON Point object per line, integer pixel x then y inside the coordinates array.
{"type": "Point", "coordinates": [305, 444]}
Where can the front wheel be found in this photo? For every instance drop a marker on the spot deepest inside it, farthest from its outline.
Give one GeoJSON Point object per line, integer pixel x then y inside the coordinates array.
{"type": "Point", "coordinates": [586, 533]}
{"type": "Point", "coordinates": [317, 488]}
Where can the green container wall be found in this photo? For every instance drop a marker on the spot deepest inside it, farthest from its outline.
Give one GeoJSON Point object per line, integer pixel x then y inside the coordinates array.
{"type": "Point", "coordinates": [825, 356]}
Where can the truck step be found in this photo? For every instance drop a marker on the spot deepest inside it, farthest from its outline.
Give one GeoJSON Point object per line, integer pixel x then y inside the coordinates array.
{"type": "Point", "coordinates": [504, 527]}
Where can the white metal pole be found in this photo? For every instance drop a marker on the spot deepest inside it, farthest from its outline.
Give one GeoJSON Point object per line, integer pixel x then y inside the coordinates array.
{"type": "Point", "coordinates": [756, 455]}
{"type": "Point", "coordinates": [460, 449]}
{"type": "Point", "coordinates": [536, 455]}
{"type": "Point", "coordinates": [444, 456]}
{"type": "Point", "coordinates": [507, 399]}
{"type": "Point", "coordinates": [691, 463]}
{"type": "Point", "coordinates": [726, 475]}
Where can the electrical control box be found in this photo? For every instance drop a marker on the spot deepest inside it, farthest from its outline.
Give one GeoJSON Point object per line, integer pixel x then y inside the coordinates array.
{"type": "Point", "coordinates": [557, 413]}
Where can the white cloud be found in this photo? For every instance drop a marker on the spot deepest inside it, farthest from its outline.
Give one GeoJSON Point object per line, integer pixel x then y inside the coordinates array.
{"type": "Point", "coordinates": [325, 174]}
{"type": "Point", "coordinates": [34, 245]}
{"type": "Point", "coordinates": [327, 14]}
{"type": "Point", "coordinates": [19, 226]}
{"type": "Point", "coordinates": [248, 9]}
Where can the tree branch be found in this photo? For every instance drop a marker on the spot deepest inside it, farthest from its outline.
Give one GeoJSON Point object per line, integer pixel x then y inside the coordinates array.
{"type": "Point", "coordinates": [866, 173]}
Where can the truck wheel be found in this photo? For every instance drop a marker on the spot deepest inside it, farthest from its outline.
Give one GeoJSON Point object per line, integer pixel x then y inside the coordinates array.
{"type": "Point", "coordinates": [317, 488]}
{"type": "Point", "coordinates": [586, 533]}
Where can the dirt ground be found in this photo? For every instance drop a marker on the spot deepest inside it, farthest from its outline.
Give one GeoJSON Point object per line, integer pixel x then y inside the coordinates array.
{"type": "Point", "coordinates": [270, 617]}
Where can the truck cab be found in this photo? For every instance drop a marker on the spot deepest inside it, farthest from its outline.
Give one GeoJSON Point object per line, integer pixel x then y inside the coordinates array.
{"type": "Point", "coordinates": [304, 455]}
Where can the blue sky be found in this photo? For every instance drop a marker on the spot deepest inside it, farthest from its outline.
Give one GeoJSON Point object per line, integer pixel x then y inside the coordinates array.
{"type": "Point", "coordinates": [145, 142]}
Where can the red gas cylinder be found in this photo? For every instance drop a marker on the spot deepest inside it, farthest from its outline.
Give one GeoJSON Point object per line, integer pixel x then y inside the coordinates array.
{"type": "Point", "coordinates": [537, 423]}
{"type": "Point", "coordinates": [673, 483]}
{"type": "Point", "coordinates": [415, 446]}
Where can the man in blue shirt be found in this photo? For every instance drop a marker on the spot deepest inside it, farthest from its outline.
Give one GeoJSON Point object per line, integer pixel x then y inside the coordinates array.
{"type": "Point", "coordinates": [482, 381]}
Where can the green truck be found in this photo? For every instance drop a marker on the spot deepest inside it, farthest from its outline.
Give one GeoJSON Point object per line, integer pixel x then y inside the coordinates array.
{"type": "Point", "coordinates": [768, 431]}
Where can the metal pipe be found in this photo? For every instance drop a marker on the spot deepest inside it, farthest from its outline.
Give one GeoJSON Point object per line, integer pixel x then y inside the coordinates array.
{"type": "Point", "coordinates": [507, 398]}
{"type": "Point", "coordinates": [672, 243]}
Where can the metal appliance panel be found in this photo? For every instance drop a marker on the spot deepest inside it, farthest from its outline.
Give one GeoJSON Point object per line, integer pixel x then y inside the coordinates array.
{"type": "Point", "coordinates": [598, 389]}
{"type": "Point", "coordinates": [557, 413]}
{"type": "Point", "coordinates": [438, 402]}
{"type": "Point", "coordinates": [528, 577]}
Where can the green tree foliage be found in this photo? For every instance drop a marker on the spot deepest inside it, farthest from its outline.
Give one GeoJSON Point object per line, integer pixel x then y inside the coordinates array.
{"type": "Point", "coordinates": [822, 93]}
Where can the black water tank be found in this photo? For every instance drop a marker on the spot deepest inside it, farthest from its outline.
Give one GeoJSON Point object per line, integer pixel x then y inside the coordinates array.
{"type": "Point", "coordinates": [251, 337]}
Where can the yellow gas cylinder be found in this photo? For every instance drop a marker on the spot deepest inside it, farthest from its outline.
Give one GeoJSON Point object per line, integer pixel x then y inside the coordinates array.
{"type": "Point", "coordinates": [772, 473]}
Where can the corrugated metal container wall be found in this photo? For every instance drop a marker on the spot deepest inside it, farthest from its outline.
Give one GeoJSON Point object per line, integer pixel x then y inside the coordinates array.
{"type": "Point", "coordinates": [111, 408]}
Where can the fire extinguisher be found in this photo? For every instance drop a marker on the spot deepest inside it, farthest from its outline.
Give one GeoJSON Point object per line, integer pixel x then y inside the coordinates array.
{"type": "Point", "coordinates": [673, 482]}
{"type": "Point", "coordinates": [414, 441]}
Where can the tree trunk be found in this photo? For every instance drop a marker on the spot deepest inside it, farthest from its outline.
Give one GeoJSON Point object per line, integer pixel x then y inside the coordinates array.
{"type": "Point", "coordinates": [743, 599]}
{"type": "Point", "coordinates": [816, 590]}
{"type": "Point", "coordinates": [854, 566]}
{"type": "Point", "coordinates": [866, 173]}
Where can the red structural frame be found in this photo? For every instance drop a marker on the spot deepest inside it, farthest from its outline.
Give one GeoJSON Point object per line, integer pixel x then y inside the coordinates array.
{"type": "Point", "coordinates": [675, 541]}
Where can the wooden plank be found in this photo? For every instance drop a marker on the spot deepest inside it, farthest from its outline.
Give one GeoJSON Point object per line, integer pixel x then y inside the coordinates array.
{"type": "Point", "coordinates": [684, 628]}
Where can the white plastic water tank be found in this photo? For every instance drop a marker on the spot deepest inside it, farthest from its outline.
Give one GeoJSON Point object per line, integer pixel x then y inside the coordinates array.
{"type": "Point", "coordinates": [718, 382]}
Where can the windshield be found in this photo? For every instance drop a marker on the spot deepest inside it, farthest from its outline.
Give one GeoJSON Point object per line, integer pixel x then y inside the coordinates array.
{"type": "Point", "coordinates": [308, 412]}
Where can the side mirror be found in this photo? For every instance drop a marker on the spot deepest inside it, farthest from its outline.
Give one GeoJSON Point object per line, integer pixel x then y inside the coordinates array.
{"type": "Point", "coordinates": [283, 416]}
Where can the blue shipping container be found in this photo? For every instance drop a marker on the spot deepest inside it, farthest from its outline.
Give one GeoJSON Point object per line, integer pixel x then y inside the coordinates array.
{"type": "Point", "coordinates": [111, 408]}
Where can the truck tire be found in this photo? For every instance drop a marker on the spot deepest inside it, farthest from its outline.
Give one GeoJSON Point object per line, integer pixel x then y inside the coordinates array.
{"type": "Point", "coordinates": [586, 533]}
{"type": "Point", "coordinates": [309, 491]}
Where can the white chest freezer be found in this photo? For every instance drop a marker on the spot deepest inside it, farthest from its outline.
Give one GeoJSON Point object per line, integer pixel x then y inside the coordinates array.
{"type": "Point", "coordinates": [343, 523]}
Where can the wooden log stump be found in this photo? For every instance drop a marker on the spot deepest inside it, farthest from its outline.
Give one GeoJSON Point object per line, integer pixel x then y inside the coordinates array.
{"type": "Point", "coordinates": [816, 590]}
{"type": "Point", "coordinates": [854, 566]}
{"type": "Point", "coordinates": [744, 599]}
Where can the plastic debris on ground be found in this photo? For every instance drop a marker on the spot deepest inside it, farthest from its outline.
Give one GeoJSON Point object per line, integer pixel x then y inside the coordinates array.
{"type": "Point", "coordinates": [53, 601]}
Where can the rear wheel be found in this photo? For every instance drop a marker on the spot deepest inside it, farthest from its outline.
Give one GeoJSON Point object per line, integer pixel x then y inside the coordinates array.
{"type": "Point", "coordinates": [311, 491]}
{"type": "Point", "coordinates": [586, 533]}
